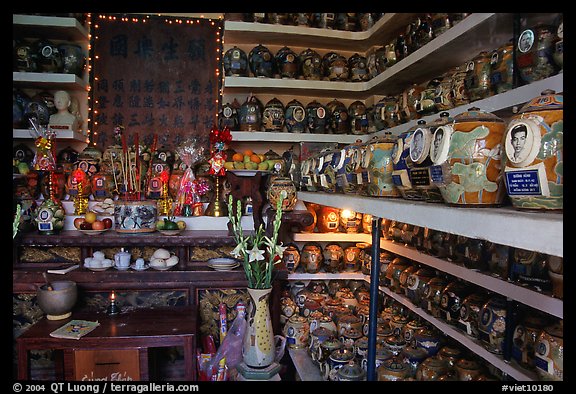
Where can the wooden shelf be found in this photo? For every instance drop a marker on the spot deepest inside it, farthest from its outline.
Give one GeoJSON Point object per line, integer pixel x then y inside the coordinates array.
{"type": "Point", "coordinates": [500, 104]}
{"type": "Point", "coordinates": [112, 238]}
{"type": "Point", "coordinates": [332, 237]}
{"type": "Point", "coordinates": [50, 81]}
{"type": "Point", "coordinates": [327, 276]}
{"type": "Point", "coordinates": [272, 34]}
{"type": "Point", "coordinates": [453, 47]}
{"type": "Point", "coordinates": [262, 136]}
{"type": "Point", "coordinates": [539, 231]}
{"type": "Point", "coordinates": [532, 298]}
{"type": "Point", "coordinates": [510, 368]}
{"type": "Point", "coordinates": [307, 369]}
{"type": "Point", "coordinates": [55, 27]}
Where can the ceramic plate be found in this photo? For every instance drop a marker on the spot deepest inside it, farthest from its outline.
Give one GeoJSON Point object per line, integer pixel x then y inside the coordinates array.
{"type": "Point", "coordinates": [170, 232]}
{"type": "Point", "coordinates": [162, 267]}
{"type": "Point", "coordinates": [248, 172]}
{"type": "Point", "coordinates": [224, 268]}
{"type": "Point", "coordinates": [222, 261]}
{"type": "Point", "coordinates": [144, 268]}
{"type": "Point", "coordinates": [121, 268]}
{"type": "Point", "coordinates": [96, 269]}
{"type": "Point", "coordinates": [93, 232]}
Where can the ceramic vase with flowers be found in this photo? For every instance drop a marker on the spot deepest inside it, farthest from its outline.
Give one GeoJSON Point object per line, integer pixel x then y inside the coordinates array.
{"type": "Point", "coordinates": [259, 254]}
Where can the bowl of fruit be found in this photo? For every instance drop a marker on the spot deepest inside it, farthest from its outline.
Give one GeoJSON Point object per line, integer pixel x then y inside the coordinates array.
{"type": "Point", "coordinates": [248, 163]}
{"type": "Point", "coordinates": [170, 226]}
{"type": "Point", "coordinates": [91, 224]}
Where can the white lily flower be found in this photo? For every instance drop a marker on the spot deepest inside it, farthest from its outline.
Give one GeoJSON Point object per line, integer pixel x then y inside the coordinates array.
{"type": "Point", "coordinates": [279, 250]}
{"type": "Point", "coordinates": [237, 252]}
{"type": "Point", "coordinates": [255, 254]}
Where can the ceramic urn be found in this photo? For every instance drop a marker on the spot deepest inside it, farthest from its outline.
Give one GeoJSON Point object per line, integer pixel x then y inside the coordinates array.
{"type": "Point", "coordinates": [533, 154]}
{"type": "Point", "coordinates": [475, 174]}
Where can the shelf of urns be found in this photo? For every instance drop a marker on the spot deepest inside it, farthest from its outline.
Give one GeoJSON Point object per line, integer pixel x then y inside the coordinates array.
{"type": "Point", "coordinates": [511, 290]}
{"type": "Point", "coordinates": [237, 32]}
{"type": "Point", "coordinates": [510, 368]}
{"type": "Point", "coordinates": [475, 33]}
{"type": "Point", "coordinates": [537, 231]}
{"type": "Point", "coordinates": [56, 29]}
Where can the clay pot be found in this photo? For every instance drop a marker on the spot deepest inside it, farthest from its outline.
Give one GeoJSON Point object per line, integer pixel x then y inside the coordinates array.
{"type": "Point", "coordinates": [428, 340]}
{"type": "Point", "coordinates": [273, 115]}
{"type": "Point", "coordinates": [535, 53]}
{"type": "Point", "coordinates": [351, 372]}
{"type": "Point", "coordinates": [477, 81]}
{"type": "Point", "coordinates": [380, 169]}
{"type": "Point", "coordinates": [467, 369]}
{"type": "Point", "coordinates": [451, 300]}
{"type": "Point", "coordinates": [295, 117]}
{"type": "Point", "coordinates": [549, 354]}
{"type": "Point", "coordinates": [297, 332]}
{"type": "Point", "coordinates": [287, 63]}
{"type": "Point", "coordinates": [310, 64]}
{"type": "Point", "coordinates": [337, 359]}
{"type": "Point", "coordinates": [250, 114]}
{"type": "Point", "coordinates": [533, 154]}
{"type": "Point", "coordinates": [502, 69]}
{"type": "Point", "coordinates": [282, 187]}
{"type": "Point", "coordinates": [432, 294]}
{"type": "Point", "coordinates": [492, 324]}
{"type": "Point", "coordinates": [316, 118]}
{"type": "Point", "coordinates": [333, 257]}
{"type": "Point", "coordinates": [358, 66]}
{"type": "Point", "coordinates": [291, 258]}
{"type": "Point", "coordinates": [393, 369]}
{"type": "Point", "coordinates": [328, 219]}
{"type": "Point", "coordinates": [261, 62]}
{"type": "Point", "coordinates": [431, 369]}
{"type": "Point", "coordinates": [235, 62]}
{"type": "Point", "coordinates": [470, 313]}
{"type": "Point", "coordinates": [311, 257]}
{"type": "Point", "coordinates": [524, 338]}
{"type": "Point", "coordinates": [475, 173]}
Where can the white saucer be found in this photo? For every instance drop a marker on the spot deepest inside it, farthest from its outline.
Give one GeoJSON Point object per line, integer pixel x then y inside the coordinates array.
{"type": "Point", "coordinates": [144, 268]}
{"type": "Point", "coordinates": [224, 267]}
{"type": "Point", "coordinates": [121, 268]}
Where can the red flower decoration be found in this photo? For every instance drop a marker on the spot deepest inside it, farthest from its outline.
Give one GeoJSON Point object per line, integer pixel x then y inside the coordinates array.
{"type": "Point", "coordinates": [78, 175]}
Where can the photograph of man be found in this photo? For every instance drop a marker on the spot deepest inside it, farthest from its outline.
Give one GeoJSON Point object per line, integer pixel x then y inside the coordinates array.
{"type": "Point", "coordinates": [525, 41]}
{"type": "Point", "coordinates": [417, 145]}
{"type": "Point", "coordinates": [518, 139]}
{"type": "Point", "coordinates": [437, 143]}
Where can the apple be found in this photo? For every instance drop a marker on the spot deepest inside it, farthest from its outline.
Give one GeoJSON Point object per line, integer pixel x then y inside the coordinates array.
{"type": "Point", "coordinates": [90, 217]}
{"type": "Point", "coordinates": [85, 226]}
{"type": "Point", "coordinates": [107, 222]}
{"type": "Point", "coordinates": [98, 225]}
{"type": "Point", "coordinates": [78, 221]}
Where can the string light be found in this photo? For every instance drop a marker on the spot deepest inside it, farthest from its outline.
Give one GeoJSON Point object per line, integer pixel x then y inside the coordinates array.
{"type": "Point", "coordinates": [144, 19]}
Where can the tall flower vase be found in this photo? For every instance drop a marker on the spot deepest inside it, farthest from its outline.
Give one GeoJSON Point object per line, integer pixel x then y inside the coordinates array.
{"type": "Point", "coordinates": [258, 349]}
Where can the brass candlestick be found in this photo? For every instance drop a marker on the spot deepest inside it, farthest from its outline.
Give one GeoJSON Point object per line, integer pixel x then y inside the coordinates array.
{"type": "Point", "coordinates": [80, 201]}
{"type": "Point", "coordinates": [165, 201]}
{"type": "Point", "coordinates": [216, 207]}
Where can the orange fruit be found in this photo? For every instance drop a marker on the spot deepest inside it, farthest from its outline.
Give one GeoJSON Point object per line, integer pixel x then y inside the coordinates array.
{"type": "Point", "coordinates": [248, 152]}
{"type": "Point", "coordinates": [237, 157]}
{"type": "Point", "coordinates": [255, 158]}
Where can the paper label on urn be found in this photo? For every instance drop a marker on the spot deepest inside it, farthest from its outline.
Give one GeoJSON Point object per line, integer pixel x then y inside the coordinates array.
{"type": "Point", "coordinates": [527, 181]}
